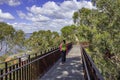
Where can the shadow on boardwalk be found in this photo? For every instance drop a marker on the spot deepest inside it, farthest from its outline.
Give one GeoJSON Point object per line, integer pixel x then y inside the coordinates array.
{"type": "Point", "coordinates": [71, 70]}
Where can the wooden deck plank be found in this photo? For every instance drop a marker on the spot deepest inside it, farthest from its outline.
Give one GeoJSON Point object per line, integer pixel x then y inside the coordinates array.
{"type": "Point", "coordinates": [71, 70]}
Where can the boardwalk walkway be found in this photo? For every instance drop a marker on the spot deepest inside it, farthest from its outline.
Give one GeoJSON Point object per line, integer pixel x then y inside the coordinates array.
{"type": "Point", "coordinates": [71, 70]}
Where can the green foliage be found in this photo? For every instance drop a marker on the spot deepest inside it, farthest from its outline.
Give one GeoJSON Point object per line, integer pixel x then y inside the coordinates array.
{"type": "Point", "coordinates": [5, 30]}
{"type": "Point", "coordinates": [10, 38]}
{"type": "Point", "coordinates": [6, 33]}
{"type": "Point", "coordinates": [69, 33]}
{"type": "Point", "coordinates": [101, 28]}
{"type": "Point", "coordinates": [19, 38]}
{"type": "Point", "coordinates": [38, 41]}
{"type": "Point", "coordinates": [42, 40]}
{"type": "Point", "coordinates": [75, 17]}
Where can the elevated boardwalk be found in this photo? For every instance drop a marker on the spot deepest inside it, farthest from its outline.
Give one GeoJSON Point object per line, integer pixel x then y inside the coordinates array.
{"type": "Point", "coordinates": [78, 66]}
{"type": "Point", "coordinates": [71, 70]}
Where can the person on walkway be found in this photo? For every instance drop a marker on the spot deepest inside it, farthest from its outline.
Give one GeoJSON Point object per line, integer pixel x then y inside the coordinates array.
{"type": "Point", "coordinates": [63, 49]}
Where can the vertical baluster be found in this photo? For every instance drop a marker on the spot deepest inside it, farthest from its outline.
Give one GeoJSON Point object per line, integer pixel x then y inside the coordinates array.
{"type": "Point", "coordinates": [39, 67]}
{"type": "Point", "coordinates": [1, 73]}
{"type": "Point", "coordinates": [13, 67]}
{"type": "Point", "coordinates": [31, 71]}
{"type": "Point", "coordinates": [22, 72]}
{"type": "Point", "coordinates": [6, 67]}
{"type": "Point", "coordinates": [25, 69]}
{"type": "Point", "coordinates": [29, 68]}
{"type": "Point", "coordinates": [17, 72]}
{"type": "Point", "coordinates": [20, 69]}
{"type": "Point", "coordinates": [10, 76]}
{"type": "Point", "coordinates": [36, 64]}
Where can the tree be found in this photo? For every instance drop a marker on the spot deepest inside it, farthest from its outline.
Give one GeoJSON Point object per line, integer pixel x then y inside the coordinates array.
{"type": "Point", "coordinates": [19, 38]}
{"type": "Point", "coordinates": [69, 32]}
{"type": "Point", "coordinates": [101, 28]}
{"type": "Point", "coordinates": [75, 17]}
{"type": "Point", "coordinates": [10, 38]}
{"type": "Point", "coordinates": [7, 32]}
{"type": "Point", "coordinates": [42, 40]}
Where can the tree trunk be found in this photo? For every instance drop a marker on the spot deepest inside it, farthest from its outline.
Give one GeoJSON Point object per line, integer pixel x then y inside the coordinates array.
{"type": "Point", "coordinates": [6, 47]}
{"type": "Point", "coordinates": [1, 46]}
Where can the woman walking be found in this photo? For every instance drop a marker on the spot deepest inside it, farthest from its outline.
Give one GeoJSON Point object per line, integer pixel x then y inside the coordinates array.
{"type": "Point", "coordinates": [63, 49]}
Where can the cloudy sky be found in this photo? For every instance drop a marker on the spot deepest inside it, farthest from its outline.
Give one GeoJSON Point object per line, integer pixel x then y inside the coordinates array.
{"type": "Point", "coordinates": [34, 15]}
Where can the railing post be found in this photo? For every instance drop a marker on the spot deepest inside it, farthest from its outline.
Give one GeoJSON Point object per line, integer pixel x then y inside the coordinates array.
{"type": "Point", "coordinates": [13, 67]}
{"type": "Point", "coordinates": [10, 75]}
{"type": "Point", "coordinates": [36, 56]}
{"type": "Point", "coordinates": [1, 73]}
{"type": "Point", "coordinates": [20, 69]}
{"type": "Point", "coordinates": [28, 67]}
{"type": "Point", "coordinates": [6, 67]}
{"type": "Point", "coordinates": [17, 72]}
{"type": "Point", "coordinates": [24, 69]}
{"type": "Point", "coordinates": [29, 70]}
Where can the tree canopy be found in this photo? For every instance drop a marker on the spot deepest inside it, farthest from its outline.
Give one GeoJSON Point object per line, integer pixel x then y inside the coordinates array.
{"type": "Point", "coordinates": [101, 28]}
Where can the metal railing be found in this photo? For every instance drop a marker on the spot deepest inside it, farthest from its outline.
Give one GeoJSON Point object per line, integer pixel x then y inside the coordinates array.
{"type": "Point", "coordinates": [31, 69]}
{"type": "Point", "coordinates": [90, 70]}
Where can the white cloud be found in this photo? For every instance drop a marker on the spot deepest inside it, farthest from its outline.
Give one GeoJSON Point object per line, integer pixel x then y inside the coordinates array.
{"type": "Point", "coordinates": [26, 27]}
{"type": "Point", "coordinates": [5, 15]}
{"type": "Point", "coordinates": [10, 2]}
{"type": "Point", "coordinates": [86, 4]}
{"type": "Point", "coordinates": [32, 17]}
{"type": "Point", "coordinates": [21, 14]}
{"type": "Point", "coordinates": [53, 16]}
{"type": "Point", "coordinates": [51, 6]}
{"type": "Point", "coordinates": [13, 2]}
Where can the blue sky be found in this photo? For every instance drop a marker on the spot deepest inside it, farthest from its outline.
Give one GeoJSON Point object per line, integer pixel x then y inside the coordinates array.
{"type": "Point", "coordinates": [34, 15]}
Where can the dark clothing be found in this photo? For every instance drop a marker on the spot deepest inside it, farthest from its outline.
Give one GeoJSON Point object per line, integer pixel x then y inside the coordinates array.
{"type": "Point", "coordinates": [63, 55]}
{"type": "Point", "coordinates": [63, 49]}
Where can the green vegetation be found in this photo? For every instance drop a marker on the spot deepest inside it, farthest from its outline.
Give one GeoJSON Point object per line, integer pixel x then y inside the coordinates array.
{"type": "Point", "coordinates": [15, 40]}
{"type": "Point", "coordinates": [9, 38]}
{"type": "Point", "coordinates": [101, 28]}
{"type": "Point", "coordinates": [43, 40]}
{"type": "Point", "coordinates": [69, 33]}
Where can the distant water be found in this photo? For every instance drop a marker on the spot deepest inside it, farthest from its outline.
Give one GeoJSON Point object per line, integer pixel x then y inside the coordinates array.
{"type": "Point", "coordinates": [27, 35]}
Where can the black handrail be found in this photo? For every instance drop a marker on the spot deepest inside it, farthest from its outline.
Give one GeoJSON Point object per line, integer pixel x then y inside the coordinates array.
{"type": "Point", "coordinates": [27, 55]}
{"type": "Point", "coordinates": [32, 68]}
{"type": "Point", "coordinates": [90, 70]}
